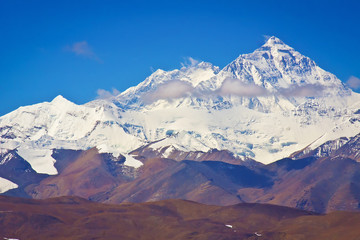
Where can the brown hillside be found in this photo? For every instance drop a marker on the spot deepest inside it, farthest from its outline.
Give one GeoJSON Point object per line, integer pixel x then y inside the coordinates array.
{"type": "Point", "coordinates": [76, 218]}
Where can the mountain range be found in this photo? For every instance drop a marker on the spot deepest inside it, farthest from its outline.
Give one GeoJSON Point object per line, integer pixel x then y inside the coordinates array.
{"type": "Point", "coordinates": [270, 127]}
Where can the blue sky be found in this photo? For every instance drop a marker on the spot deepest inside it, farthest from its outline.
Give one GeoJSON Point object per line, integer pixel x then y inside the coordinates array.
{"type": "Point", "coordinates": [74, 48]}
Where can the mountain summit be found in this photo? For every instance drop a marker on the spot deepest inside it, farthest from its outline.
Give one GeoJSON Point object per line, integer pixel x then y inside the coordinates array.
{"type": "Point", "coordinates": [263, 105]}
{"type": "Point", "coordinates": [274, 71]}
{"type": "Point", "coordinates": [273, 41]}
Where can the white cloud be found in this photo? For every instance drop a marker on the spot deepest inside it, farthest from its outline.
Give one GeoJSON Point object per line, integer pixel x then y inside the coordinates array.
{"type": "Point", "coordinates": [83, 49]}
{"type": "Point", "coordinates": [103, 94]}
{"type": "Point", "coordinates": [236, 87]}
{"type": "Point", "coordinates": [353, 82]}
{"type": "Point", "coordinates": [169, 90]}
{"type": "Point", "coordinates": [309, 90]}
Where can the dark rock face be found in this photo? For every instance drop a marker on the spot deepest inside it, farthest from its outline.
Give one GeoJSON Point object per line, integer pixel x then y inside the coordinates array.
{"type": "Point", "coordinates": [19, 171]}
{"type": "Point", "coordinates": [319, 184]}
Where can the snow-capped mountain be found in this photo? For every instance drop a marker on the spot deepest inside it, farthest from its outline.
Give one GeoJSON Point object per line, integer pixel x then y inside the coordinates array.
{"type": "Point", "coordinates": [60, 124]}
{"type": "Point", "coordinates": [273, 77]}
{"type": "Point", "coordinates": [264, 105]}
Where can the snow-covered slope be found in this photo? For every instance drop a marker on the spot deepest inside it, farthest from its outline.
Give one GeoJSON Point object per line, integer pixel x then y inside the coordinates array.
{"type": "Point", "coordinates": [6, 185]}
{"type": "Point", "coordinates": [264, 105]}
{"type": "Point", "coordinates": [63, 124]}
{"type": "Point", "coordinates": [60, 124]}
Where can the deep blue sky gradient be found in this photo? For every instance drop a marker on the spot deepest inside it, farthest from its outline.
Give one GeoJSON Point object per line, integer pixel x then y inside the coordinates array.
{"type": "Point", "coordinates": [129, 39]}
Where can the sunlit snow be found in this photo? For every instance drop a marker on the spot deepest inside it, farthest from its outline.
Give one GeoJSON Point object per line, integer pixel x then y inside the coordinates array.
{"type": "Point", "coordinates": [40, 160]}
{"type": "Point", "coordinates": [6, 185]}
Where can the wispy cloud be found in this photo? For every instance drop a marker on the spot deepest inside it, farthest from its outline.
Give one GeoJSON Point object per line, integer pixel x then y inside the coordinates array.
{"type": "Point", "coordinates": [83, 49]}
{"type": "Point", "coordinates": [169, 90]}
{"type": "Point", "coordinates": [103, 94]}
{"type": "Point", "coordinates": [309, 90]}
{"type": "Point", "coordinates": [353, 82]}
{"type": "Point", "coordinates": [236, 87]}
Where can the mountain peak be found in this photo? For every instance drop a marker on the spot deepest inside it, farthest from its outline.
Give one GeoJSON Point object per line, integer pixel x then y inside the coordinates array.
{"type": "Point", "coordinates": [275, 42]}
{"type": "Point", "coordinates": [60, 99]}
